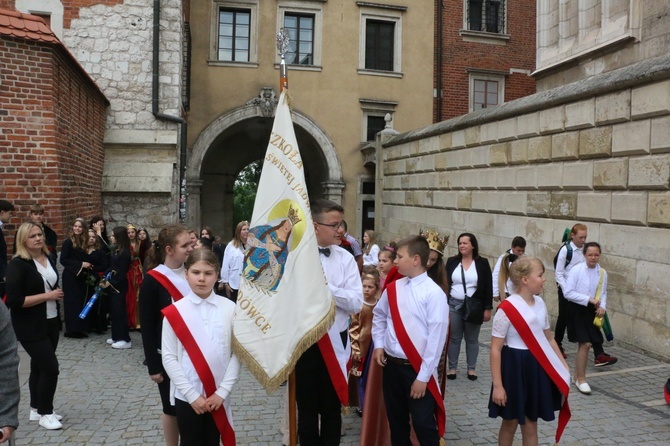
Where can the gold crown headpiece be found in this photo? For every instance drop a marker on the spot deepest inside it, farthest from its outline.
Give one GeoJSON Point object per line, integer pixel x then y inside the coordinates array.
{"type": "Point", "coordinates": [293, 215]}
{"type": "Point", "coordinates": [435, 242]}
{"type": "Point", "coordinates": [130, 226]}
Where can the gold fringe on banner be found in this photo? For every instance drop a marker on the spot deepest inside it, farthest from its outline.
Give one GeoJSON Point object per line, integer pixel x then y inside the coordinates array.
{"type": "Point", "coordinates": [272, 384]}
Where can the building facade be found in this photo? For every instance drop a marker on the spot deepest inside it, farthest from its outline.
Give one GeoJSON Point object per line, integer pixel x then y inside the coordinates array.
{"type": "Point", "coordinates": [484, 54]}
{"type": "Point", "coordinates": [350, 63]}
{"type": "Point", "coordinates": [52, 124]}
{"type": "Point", "coordinates": [594, 150]}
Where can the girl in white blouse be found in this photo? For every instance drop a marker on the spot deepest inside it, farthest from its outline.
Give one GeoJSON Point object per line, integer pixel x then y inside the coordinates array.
{"type": "Point", "coordinates": [233, 261]}
{"type": "Point", "coordinates": [370, 248]}
{"type": "Point", "coordinates": [208, 319]}
{"type": "Point", "coordinates": [585, 302]}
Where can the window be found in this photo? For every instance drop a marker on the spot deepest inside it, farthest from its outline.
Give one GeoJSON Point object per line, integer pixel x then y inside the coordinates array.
{"type": "Point", "coordinates": [300, 29]}
{"type": "Point", "coordinates": [379, 37]}
{"type": "Point", "coordinates": [375, 125]}
{"type": "Point", "coordinates": [304, 23]}
{"type": "Point", "coordinates": [486, 91]}
{"type": "Point", "coordinates": [486, 15]}
{"type": "Point", "coordinates": [380, 46]}
{"type": "Point", "coordinates": [234, 35]}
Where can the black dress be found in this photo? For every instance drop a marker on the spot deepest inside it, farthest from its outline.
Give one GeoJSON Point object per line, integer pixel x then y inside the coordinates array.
{"type": "Point", "coordinates": [97, 318]}
{"type": "Point", "coordinates": [74, 287]}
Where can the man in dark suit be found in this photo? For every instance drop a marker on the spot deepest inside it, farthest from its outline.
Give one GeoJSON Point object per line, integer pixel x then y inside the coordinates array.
{"type": "Point", "coordinates": [6, 212]}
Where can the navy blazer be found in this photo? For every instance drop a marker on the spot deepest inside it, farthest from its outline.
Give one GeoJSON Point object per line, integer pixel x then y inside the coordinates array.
{"type": "Point", "coordinates": [484, 279]}
{"type": "Point", "coordinates": [23, 279]}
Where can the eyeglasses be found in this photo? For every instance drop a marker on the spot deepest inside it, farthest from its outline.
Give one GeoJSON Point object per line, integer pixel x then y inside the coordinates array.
{"type": "Point", "coordinates": [330, 225]}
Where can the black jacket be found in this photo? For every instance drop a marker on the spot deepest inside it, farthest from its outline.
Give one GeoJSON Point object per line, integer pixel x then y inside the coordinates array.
{"type": "Point", "coordinates": [153, 298]}
{"type": "Point", "coordinates": [484, 279]}
{"type": "Point", "coordinates": [23, 279]}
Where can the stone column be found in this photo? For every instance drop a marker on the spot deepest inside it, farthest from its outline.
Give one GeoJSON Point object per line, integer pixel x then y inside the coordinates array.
{"type": "Point", "coordinates": [332, 190]}
{"type": "Point", "coordinates": [193, 208]}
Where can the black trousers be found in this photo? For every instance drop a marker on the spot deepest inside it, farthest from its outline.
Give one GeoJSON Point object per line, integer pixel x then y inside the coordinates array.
{"type": "Point", "coordinates": [117, 313]}
{"type": "Point", "coordinates": [562, 324]}
{"type": "Point", "coordinates": [43, 369]}
{"type": "Point", "coordinates": [194, 429]}
{"type": "Point", "coordinates": [316, 397]}
{"type": "Point", "coordinates": [397, 381]}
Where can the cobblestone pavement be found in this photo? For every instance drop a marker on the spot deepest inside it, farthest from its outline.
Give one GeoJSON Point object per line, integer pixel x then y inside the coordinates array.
{"type": "Point", "coordinates": [108, 399]}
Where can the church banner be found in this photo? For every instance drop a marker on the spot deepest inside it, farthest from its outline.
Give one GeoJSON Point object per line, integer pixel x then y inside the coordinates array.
{"type": "Point", "coordinates": [284, 304]}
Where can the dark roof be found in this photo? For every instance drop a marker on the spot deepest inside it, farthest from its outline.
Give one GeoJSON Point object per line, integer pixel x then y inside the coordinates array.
{"type": "Point", "coordinates": [25, 26]}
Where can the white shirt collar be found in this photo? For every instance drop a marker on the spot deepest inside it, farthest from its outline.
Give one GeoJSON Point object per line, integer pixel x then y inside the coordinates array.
{"type": "Point", "coordinates": [198, 300]}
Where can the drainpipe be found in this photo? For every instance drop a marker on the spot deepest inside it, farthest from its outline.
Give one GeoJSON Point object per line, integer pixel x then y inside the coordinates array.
{"type": "Point", "coordinates": [438, 62]}
{"type": "Point", "coordinates": [162, 116]}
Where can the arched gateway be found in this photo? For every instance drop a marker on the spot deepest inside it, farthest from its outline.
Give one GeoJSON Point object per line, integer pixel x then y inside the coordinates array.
{"type": "Point", "coordinates": [240, 137]}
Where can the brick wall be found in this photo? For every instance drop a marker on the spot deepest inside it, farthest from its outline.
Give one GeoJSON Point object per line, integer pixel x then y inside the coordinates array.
{"type": "Point", "coordinates": [459, 55]}
{"type": "Point", "coordinates": [51, 131]}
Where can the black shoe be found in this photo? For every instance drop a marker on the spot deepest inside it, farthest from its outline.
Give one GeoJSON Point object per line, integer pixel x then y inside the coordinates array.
{"type": "Point", "coordinates": [472, 377]}
{"type": "Point", "coordinates": [451, 376]}
{"type": "Point", "coordinates": [359, 412]}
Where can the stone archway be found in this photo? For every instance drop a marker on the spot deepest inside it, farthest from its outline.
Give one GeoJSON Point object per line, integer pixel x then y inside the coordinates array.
{"type": "Point", "coordinates": [239, 137]}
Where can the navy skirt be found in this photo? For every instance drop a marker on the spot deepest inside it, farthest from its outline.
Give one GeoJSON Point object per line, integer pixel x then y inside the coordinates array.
{"type": "Point", "coordinates": [530, 391]}
{"type": "Point", "coordinates": [580, 324]}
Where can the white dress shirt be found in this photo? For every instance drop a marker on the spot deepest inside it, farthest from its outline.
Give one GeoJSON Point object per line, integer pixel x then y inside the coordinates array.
{"type": "Point", "coordinates": [509, 286]}
{"type": "Point", "coordinates": [216, 315]}
{"type": "Point", "coordinates": [503, 328]}
{"type": "Point", "coordinates": [583, 283]}
{"type": "Point", "coordinates": [344, 283]}
{"type": "Point", "coordinates": [562, 270]}
{"type": "Point", "coordinates": [428, 305]}
{"type": "Point", "coordinates": [231, 270]}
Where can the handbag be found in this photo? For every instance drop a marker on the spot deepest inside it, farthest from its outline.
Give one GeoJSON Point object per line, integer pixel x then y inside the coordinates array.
{"type": "Point", "coordinates": [474, 308]}
{"type": "Point", "coordinates": [598, 321]}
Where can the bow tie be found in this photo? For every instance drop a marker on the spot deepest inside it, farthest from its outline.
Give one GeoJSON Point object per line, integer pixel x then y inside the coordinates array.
{"type": "Point", "coordinates": [325, 251]}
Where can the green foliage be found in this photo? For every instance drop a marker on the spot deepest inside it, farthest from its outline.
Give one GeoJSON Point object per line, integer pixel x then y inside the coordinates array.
{"type": "Point", "coordinates": [244, 192]}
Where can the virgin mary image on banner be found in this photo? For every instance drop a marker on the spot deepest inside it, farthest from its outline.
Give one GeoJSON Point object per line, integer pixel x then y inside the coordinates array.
{"type": "Point", "coordinates": [268, 248]}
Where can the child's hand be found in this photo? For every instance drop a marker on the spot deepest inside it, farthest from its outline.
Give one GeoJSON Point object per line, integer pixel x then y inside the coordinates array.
{"type": "Point", "coordinates": [499, 396]}
{"type": "Point", "coordinates": [199, 406]}
{"type": "Point", "coordinates": [378, 357]}
{"type": "Point", "coordinates": [600, 311]}
{"type": "Point", "coordinates": [214, 402]}
{"type": "Point", "coordinates": [418, 389]}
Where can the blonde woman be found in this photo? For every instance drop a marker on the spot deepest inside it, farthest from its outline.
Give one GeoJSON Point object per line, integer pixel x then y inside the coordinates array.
{"type": "Point", "coordinates": [370, 248]}
{"type": "Point", "coordinates": [233, 261]}
{"type": "Point", "coordinates": [33, 297]}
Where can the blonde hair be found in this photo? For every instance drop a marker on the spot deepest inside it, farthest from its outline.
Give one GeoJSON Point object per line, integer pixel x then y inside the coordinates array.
{"type": "Point", "coordinates": [373, 277]}
{"type": "Point", "coordinates": [522, 267]}
{"type": "Point", "coordinates": [79, 241]}
{"type": "Point", "coordinates": [22, 236]}
{"type": "Point", "coordinates": [372, 239]}
{"type": "Point", "coordinates": [237, 241]}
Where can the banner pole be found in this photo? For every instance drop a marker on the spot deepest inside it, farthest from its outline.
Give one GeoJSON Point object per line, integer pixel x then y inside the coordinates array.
{"type": "Point", "coordinates": [282, 48]}
{"type": "Point", "coordinates": [292, 415]}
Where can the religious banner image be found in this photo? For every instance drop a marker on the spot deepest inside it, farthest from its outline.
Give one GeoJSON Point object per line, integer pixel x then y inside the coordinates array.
{"type": "Point", "coordinates": [284, 304]}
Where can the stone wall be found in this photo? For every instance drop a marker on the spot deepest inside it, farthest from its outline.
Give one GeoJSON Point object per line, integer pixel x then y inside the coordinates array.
{"type": "Point", "coordinates": [596, 151]}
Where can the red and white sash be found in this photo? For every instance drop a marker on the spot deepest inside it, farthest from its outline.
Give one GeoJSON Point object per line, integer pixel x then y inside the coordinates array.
{"type": "Point", "coordinates": [205, 356]}
{"type": "Point", "coordinates": [525, 322]}
{"type": "Point", "coordinates": [412, 344]}
{"type": "Point", "coordinates": [337, 359]}
{"type": "Point", "coordinates": [175, 285]}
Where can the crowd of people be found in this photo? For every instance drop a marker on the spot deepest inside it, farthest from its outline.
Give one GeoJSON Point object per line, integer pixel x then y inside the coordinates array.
{"type": "Point", "coordinates": [401, 309]}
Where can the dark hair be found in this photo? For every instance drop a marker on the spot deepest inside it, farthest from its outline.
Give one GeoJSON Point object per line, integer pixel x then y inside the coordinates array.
{"type": "Point", "coordinates": [121, 240]}
{"type": "Point", "coordinates": [518, 242]}
{"type": "Point", "coordinates": [209, 232]}
{"type": "Point", "coordinates": [103, 234]}
{"type": "Point", "coordinates": [473, 242]}
{"type": "Point", "coordinates": [205, 255]}
{"type": "Point", "coordinates": [79, 241]}
{"type": "Point", "coordinates": [206, 242]}
{"type": "Point", "coordinates": [6, 206]}
{"type": "Point", "coordinates": [591, 245]}
{"type": "Point", "coordinates": [438, 273]}
{"type": "Point", "coordinates": [167, 237]}
{"type": "Point", "coordinates": [321, 206]}
{"type": "Point", "coordinates": [345, 226]}
{"type": "Point", "coordinates": [391, 249]}
{"type": "Point", "coordinates": [416, 245]}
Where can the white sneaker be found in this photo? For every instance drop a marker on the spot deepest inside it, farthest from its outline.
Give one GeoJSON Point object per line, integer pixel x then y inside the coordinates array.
{"type": "Point", "coordinates": [110, 341]}
{"type": "Point", "coordinates": [122, 344]}
{"type": "Point", "coordinates": [34, 416]}
{"type": "Point", "coordinates": [50, 422]}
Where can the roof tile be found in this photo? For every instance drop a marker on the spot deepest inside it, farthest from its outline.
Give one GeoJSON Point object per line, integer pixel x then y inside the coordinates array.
{"type": "Point", "coordinates": [17, 24]}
